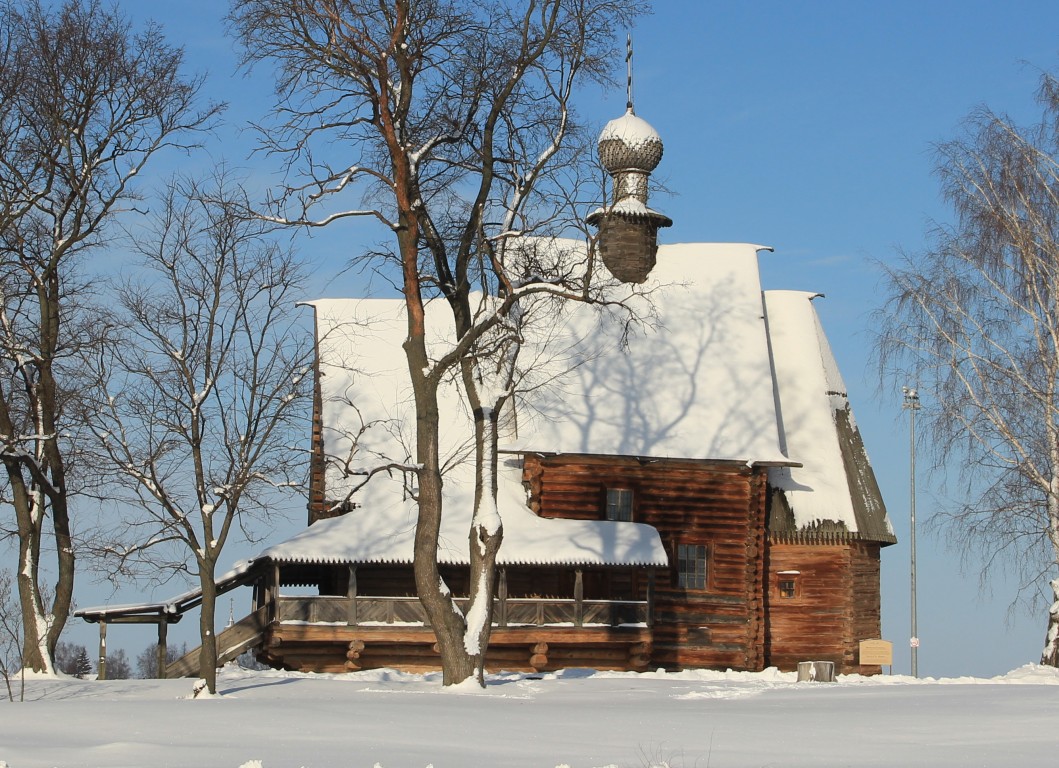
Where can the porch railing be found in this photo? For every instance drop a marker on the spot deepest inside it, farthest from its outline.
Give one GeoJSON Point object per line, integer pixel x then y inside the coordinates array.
{"type": "Point", "coordinates": [510, 612]}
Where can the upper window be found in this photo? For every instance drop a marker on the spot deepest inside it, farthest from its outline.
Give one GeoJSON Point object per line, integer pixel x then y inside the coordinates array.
{"type": "Point", "coordinates": [691, 566]}
{"type": "Point", "coordinates": [619, 504]}
{"type": "Point", "coordinates": [787, 584]}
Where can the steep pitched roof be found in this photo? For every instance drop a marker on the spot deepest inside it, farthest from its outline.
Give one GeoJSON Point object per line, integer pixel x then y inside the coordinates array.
{"type": "Point", "coordinates": [834, 489]}
{"type": "Point", "coordinates": [693, 380]}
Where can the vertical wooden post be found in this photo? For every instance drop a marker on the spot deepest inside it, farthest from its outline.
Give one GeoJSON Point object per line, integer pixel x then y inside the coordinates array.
{"type": "Point", "coordinates": [501, 592]}
{"type": "Point", "coordinates": [102, 665]}
{"type": "Point", "coordinates": [579, 598]}
{"type": "Point", "coordinates": [163, 630]}
{"type": "Point", "coordinates": [351, 593]}
{"type": "Point", "coordinates": [273, 593]}
{"type": "Point", "coordinates": [650, 597]}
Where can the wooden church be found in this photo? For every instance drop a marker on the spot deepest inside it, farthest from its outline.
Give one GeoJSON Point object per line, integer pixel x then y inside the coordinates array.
{"type": "Point", "coordinates": [689, 492]}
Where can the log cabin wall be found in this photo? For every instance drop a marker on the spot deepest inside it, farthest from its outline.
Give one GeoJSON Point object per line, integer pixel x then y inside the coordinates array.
{"type": "Point", "coordinates": [720, 506]}
{"type": "Point", "coordinates": [822, 600]}
{"type": "Point", "coordinates": [808, 604]}
{"type": "Point", "coordinates": [867, 601]}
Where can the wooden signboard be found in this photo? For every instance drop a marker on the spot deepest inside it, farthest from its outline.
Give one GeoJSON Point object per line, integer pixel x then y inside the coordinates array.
{"type": "Point", "coordinates": [879, 652]}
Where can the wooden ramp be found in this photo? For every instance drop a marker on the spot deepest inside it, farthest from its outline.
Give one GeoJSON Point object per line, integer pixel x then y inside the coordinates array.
{"type": "Point", "coordinates": [247, 633]}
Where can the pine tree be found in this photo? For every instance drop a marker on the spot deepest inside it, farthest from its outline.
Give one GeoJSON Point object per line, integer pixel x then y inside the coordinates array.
{"type": "Point", "coordinates": [83, 665]}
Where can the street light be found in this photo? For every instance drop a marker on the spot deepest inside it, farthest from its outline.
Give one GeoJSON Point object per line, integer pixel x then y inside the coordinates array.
{"type": "Point", "coordinates": [912, 404]}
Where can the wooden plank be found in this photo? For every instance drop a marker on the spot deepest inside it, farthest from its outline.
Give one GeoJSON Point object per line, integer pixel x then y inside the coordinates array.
{"type": "Point", "coordinates": [246, 633]}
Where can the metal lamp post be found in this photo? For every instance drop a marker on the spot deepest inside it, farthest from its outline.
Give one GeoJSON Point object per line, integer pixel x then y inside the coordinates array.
{"type": "Point", "coordinates": [912, 404]}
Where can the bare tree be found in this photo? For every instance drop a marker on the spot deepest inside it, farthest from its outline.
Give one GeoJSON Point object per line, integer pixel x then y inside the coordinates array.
{"type": "Point", "coordinates": [84, 104]}
{"type": "Point", "coordinates": [66, 656]}
{"type": "Point", "coordinates": [11, 666]}
{"type": "Point", "coordinates": [118, 667]}
{"type": "Point", "coordinates": [147, 660]}
{"type": "Point", "coordinates": [975, 320]}
{"type": "Point", "coordinates": [458, 136]}
{"type": "Point", "coordinates": [199, 403]}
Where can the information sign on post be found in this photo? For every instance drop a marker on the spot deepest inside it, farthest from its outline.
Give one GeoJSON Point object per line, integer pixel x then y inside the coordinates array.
{"type": "Point", "coordinates": [874, 652]}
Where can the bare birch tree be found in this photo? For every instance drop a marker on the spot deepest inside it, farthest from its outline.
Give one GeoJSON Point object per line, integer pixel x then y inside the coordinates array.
{"type": "Point", "coordinates": [201, 402]}
{"type": "Point", "coordinates": [451, 124]}
{"type": "Point", "coordinates": [84, 104]}
{"type": "Point", "coordinates": [975, 321]}
{"type": "Point", "coordinates": [11, 642]}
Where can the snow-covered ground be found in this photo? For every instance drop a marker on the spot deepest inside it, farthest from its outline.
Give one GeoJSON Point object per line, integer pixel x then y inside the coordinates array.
{"type": "Point", "coordinates": [575, 718]}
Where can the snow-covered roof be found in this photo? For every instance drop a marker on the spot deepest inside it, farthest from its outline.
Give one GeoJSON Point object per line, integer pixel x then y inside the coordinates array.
{"type": "Point", "coordinates": [695, 381]}
{"type": "Point", "coordinates": [368, 421]}
{"type": "Point", "coordinates": [695, 377]}
{"type": "Point", "coordinates": [834, 488]}
{"type": "Point", "coordinates": [172, 609]}
{"type": "Point", "coordinates": [381, 531]}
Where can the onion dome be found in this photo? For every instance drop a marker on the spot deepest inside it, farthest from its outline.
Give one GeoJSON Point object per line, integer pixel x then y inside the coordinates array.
{"type": "Point", "coordinates": [629, 143]}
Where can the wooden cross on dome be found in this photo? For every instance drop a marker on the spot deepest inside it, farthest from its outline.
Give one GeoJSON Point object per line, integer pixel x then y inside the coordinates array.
{"type": "Point", "coordinates": [628, 67]}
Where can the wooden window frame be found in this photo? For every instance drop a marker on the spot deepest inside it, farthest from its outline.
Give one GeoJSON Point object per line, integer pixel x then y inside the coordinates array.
{"type": "Point", "coordinates": [791, 578]}
{"type": "Point", "coordinates": [619, 499]}
{"type": "Point", "coordinates": [697, 553]}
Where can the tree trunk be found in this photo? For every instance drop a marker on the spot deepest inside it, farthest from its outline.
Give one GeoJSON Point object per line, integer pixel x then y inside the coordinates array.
{"type": "Point", "coordinates": [1050, 654]}
{"type": "Point", "coordinates": [484, 545]}
{"type": "Point", "coordinates": [208, 652]}
{"type": "Point", "coordinates": [30, 519]}
{"type": "Point", "coordinates": [447, 621]}
{"type": "Point", "coordinates": [62, 601]}
{"type": "Point", "coordinates": [487, 531]}
{"type": "Point", "coordinates": [35, 654]}
{"type": "Point", "coordinates": [50, 413]}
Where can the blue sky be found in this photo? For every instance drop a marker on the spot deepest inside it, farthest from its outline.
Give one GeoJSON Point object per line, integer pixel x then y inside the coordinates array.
{"type": "Point", "coordinates": [808, 127]}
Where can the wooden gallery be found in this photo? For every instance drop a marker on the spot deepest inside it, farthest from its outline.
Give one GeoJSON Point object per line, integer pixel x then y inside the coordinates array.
{"type": "Point", "coordinates": [689, 491]}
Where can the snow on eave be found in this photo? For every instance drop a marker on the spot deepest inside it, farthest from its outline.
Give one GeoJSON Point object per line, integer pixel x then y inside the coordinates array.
{"type": "Point", "coordinates": [738, 462]}
{"type": "Point", "coordinates": [382, 531]}
{"type": "Point", "coordinates": [174, 606]}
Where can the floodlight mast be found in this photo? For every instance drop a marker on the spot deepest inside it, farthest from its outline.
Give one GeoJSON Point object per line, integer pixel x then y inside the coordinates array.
{"type": "Point", "coordinates": [912, 404]}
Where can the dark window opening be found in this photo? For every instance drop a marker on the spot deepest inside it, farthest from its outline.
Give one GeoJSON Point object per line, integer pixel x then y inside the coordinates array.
{"type": "Point", "coordinates": [788, 588]}
{"type": "Point", "coordinates": [619, 504]}
{"type": "Point", "coordinates": [691, 566]}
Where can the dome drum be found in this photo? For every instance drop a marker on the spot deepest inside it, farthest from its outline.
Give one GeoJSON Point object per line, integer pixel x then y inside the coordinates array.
{"type": "Point", "coordinates": [617, 155]}
{"type": "Point", "coordinates": [628, 245]}
{"type": "Point", "coordinates": [630, 184]}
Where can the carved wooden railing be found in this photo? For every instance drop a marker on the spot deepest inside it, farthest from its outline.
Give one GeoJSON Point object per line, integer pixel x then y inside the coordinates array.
{"type": "Point", "coordinates": [511, 612]}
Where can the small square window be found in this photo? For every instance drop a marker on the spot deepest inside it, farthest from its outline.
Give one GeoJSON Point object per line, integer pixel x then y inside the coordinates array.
{"type": "Point", "coordinates": [691, 566]}
{"type": "Point", "coordinates": [619, 504]}
{"type": "Point", "coordinates": [787, 584]}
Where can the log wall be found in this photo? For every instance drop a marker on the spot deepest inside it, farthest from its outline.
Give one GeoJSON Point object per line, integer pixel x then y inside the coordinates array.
{"type": "Point", "coordinates": [867, 601]}
{"type": "Point", "coordinates": [835, 606]}
{"type": "Point", "coordinates": [340, 648]}
{"type": "Point", "coordinates": [719, 505]}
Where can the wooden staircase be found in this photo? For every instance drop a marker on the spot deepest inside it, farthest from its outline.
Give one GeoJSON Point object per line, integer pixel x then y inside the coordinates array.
{"type": "Point", "coordinates": [245, 634]}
